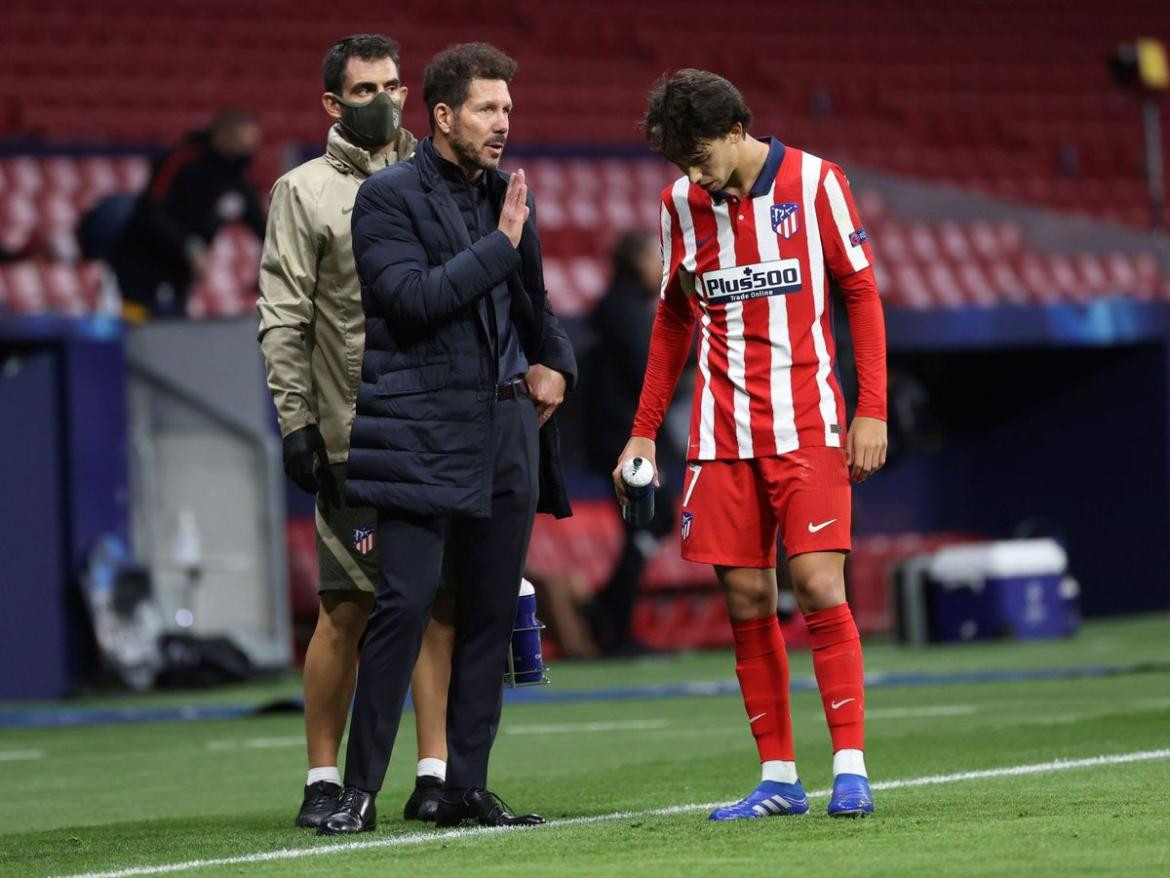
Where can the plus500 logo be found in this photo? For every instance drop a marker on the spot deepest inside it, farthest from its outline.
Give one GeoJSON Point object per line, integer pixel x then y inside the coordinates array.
{"type": "Point", "coordinates": [743, 282]}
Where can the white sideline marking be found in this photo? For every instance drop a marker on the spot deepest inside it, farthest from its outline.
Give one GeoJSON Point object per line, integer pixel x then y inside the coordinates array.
{"type": "Point", "coordinates": [257, 743]}
{"type": "Point", "coordinates": [912, 712]}
{"type": "Point", "coordinates": [1153, 703]}
{"type": "Point", "coordinates": [632, 725]}
{"type": "Point", "coordinates": [21, 755]}
{"type": "Point", "coordinates": [424, 837]}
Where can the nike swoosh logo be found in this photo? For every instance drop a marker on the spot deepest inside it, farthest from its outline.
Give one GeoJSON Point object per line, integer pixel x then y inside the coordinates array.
{"type": "Point", "coordinates": [756, 717]}
{"type": "Point", "coordinates": [699, 242]}
{"type": "Point", "coordinates": [813, 528]}
{"type": "Point", "coordinates": [346, 209]}
{"type": "Point", "coordinates": [837, 704]}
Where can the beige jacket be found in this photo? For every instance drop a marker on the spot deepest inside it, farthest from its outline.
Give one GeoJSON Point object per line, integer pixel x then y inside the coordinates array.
{"type": "Point", "coordinates": [312, 329]}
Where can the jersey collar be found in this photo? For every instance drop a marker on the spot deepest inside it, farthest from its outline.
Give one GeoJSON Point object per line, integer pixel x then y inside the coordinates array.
{"type": "Point", "coordinates": [767, 177]}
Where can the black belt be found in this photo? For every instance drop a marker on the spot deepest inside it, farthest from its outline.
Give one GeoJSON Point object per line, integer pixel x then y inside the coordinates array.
{"type": "Point", "coordinates": [517, 388]}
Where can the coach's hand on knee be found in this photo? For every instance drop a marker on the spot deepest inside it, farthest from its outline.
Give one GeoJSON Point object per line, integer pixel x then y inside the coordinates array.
{"type": "Point", "coordinates": [638, 446]}
{"type": "Point", "coordinates": [865, 450]}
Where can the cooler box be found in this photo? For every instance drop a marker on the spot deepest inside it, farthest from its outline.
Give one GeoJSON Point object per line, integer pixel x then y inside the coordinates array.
{"type": "Point", "coordinates": [1015, 588]}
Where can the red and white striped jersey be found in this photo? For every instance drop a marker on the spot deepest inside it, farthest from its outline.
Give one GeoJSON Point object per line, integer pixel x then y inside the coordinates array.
{"type": "Point", "coordinates": [755, 273]}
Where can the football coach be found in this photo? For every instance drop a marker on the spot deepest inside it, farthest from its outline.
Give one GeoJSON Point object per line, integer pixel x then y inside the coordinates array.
{"type": "Point", "coordinates": [454, 441]}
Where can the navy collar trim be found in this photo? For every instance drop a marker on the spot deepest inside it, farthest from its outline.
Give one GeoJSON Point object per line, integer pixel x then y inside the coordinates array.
{"type": "Point", "coordinates": [767, 177]}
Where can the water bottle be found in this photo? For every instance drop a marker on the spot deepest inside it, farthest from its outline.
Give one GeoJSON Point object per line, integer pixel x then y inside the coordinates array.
{"type": "Point", "coordinates": [638, 479]}
{"type": "Point", "coordinates": [525, 662]}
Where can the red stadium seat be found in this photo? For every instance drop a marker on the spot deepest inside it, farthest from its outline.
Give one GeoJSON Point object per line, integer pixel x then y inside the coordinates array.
{"type": "Point", "coordinates": [56, 221]}
{"type": "Point", "coordinates": [23, 174]}
{"type": "Point", "coordinates": [98, 288]}
{"type": "Point", "coordinates": [61, 174]}
{"type": "Point", "coordinates": [64, 292]}
{"type": "Point", "coordinates": [132, 172]}
{"type": "Point", "coordinates": [587, 543]}
{"type": "Point", "coordinates": [589, 277]}
{"type": "Point", "coordinates": [562, 293]}
{"type": "Point", "coordinates": [25, 293]}
{"type": "Point", "coordinates": [910, 288]}
{"type": "Point", "coordinates": [18, 220]}
{"type": "Point", "coordinates": [1040, 287]}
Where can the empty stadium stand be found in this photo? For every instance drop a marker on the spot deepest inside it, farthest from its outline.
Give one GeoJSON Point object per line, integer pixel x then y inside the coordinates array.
{"type": "Point", "coordinates": [41, 200]}
{"type": "Point", "coordinates": [1010, 97]}
{"type": "Point", "coordinates": [1007, 98]}
{"type": "Point", "coordinates": [923, 263]}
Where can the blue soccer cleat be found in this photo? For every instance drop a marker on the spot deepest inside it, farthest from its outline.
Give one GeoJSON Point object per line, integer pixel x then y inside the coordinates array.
{"type": "Point", "coordinates": [769, 799]}
{"type": "Point", "coordinates": [851, 796]}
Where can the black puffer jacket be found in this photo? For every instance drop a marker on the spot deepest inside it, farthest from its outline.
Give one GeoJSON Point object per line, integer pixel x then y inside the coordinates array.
{"type": "Point", "coordinates": [421, 440]}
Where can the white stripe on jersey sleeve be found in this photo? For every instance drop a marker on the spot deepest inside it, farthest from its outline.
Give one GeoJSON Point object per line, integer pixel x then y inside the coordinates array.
{"type": "Point", "coordinates": [686, 225]}
{"type": "Point", "coordinates": [736, 352]}
{"type": "Point", "coordinates": [810, 178]}
{"type": "Point", "coordinates": [783, 413]}
{"type": "Point", "coordinates": [843, 221]}
{"type": "Point", "coordinates": [665, 249]}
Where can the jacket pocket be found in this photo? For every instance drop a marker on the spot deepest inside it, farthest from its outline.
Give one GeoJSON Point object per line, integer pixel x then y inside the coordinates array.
{"type": "Point", "coordinates": [418, 380]}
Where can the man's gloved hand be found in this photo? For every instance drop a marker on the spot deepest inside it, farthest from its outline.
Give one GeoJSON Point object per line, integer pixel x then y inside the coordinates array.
{"type": "Point", "coordinates": [306, 461]}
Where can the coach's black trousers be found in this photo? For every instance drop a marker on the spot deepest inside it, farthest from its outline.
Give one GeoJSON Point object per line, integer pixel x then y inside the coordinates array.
{"type": "Point", "coordinates": [487, 561]}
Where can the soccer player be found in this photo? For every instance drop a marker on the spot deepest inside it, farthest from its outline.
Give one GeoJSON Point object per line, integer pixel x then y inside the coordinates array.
{"type": "Point", "coordinates": [750, 237]}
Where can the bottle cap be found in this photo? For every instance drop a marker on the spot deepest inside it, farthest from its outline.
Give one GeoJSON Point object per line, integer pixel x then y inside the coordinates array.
{"type": "Point", "coordinates": [637, 472]}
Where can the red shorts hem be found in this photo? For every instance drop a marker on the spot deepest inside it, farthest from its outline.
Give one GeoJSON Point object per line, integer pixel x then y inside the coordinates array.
{"type": "Point", "coordinates": [721, 560]}
{"type": "Point", "coordinates": [805, 548]}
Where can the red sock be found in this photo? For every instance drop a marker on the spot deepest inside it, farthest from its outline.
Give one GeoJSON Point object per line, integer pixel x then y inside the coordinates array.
{"type": "Point", "coordinates": [761, 663]}
{"type": "Point", "coordinates": [836, 649]}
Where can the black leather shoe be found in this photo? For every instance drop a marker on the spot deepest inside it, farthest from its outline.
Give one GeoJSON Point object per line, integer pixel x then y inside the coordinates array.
{"type": "Point", "coordinates": [320, 801]}
{"type": "Point", "coordinates": [481, 805]}
{"type": "Point", "coordinates": [424, 801]}
{"type": "Point", "coordinates": [353, 813]}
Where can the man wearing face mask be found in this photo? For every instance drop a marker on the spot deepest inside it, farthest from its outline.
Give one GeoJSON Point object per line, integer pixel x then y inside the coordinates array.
{"type": "Point", "coordinates": [312, 334]}
{"type": "Point", "coordinates": [194, 190]}
{"type": "Point", "coordinates": [454, 440]}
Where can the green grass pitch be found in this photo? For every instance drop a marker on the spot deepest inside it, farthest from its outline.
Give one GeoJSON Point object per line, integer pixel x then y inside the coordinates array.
{"type": "Point", "coordinates": [622, 780]}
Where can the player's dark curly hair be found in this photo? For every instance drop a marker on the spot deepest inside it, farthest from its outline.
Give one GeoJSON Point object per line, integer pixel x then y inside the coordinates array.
{"type": "Point", "coordinates": [367, 47]}
{"type": "Point", "coordinates": [447, 79]}
{"type": "Point", "coordinates": [689, 107]}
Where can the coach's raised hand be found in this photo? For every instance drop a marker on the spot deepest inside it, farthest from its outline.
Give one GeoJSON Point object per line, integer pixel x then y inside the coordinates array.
{"type": "Point", "coordinates": [514, 212]}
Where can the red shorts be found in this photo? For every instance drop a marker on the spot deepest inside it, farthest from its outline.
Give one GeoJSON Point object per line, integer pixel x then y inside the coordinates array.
{"type": "Point", "coordinates": [733, 508]}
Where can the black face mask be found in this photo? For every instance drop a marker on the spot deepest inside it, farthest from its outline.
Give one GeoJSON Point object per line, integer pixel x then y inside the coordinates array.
{"type": "Point", "coordinates": [374, 123]}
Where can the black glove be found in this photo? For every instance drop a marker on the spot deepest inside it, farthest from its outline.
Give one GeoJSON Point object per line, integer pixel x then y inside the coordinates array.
{"type": "Point", "coordinates": [306, 461]}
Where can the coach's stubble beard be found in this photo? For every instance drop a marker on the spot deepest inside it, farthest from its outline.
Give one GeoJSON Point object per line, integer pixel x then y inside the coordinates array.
{"type": "Point", "coordinates": [472, 155]}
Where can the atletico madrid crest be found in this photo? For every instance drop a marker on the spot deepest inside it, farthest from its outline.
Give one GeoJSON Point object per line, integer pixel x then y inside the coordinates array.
{"type": "Point", "coordinates": [363, 540]}
{"type": "Point", "coordinates": [786, 219]}
{"type": "Point", "coordinates": [688, 519]}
